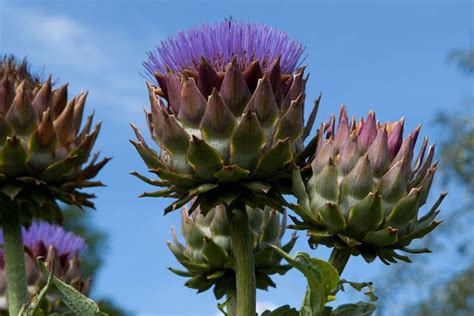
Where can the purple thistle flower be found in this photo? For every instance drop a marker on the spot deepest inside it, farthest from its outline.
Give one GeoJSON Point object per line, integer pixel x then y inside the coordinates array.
{"type": "Point", "coordinates": [40, 235]}
{"type": "Point", "coordinates": [218, 43]}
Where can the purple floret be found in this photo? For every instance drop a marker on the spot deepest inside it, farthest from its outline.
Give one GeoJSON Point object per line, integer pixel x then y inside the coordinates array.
{"type": "Point", "coordinates": [219, 42]}
{"type": "Point", "coordinates": [65, 243]}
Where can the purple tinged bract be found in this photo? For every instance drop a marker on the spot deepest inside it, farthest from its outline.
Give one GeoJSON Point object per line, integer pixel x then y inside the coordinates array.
{"type": "Point", "coordinates": [218, 43]}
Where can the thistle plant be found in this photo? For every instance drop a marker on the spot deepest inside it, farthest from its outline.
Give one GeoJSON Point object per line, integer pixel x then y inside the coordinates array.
{"type": "Point", "coordinates": [227, 116]}
{"type": "Point", "coordinates": [364, 193]}
{"type": "Point", "coordinates": [227, 113]}
{"type": "Point", "coordinates": [43, 153]}
{"type": "Point", "coordinates": [227, 110]}
{"type": "Point", "coordinates": [60, 250]}
{"type": "Point", "coordinates": [207, 254]}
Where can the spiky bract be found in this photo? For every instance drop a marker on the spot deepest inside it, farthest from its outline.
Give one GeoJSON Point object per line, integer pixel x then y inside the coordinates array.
{"type": "Point", "coordinates": [363, 192]}
{"type": "Point", "coordinates": [207, 251]}
{"type": "Point", "coordinates": [226, 137]}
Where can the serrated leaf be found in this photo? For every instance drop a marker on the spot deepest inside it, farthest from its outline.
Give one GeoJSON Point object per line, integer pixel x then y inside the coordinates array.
{"type": "Point", "coordinates": [322, 278]}
{"type": "Point", "coordinates": [78, 303]}
{"type": "Point", "coordinates": [285, 310]}
{"type": "Point", "coordinates": [358, 309]}
{"type": "Point", "coordinates": [32, 308]}
{"type": "Point", "coordinates": [360, 286]}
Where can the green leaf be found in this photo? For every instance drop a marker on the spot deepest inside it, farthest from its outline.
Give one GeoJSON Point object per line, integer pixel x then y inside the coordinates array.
{"type": "Point", "coordinates": [358, 309]}
{"type": "Point", "coordinates": [360, 286]}
{"type": "Point", "coordinates": [285, 310]}
{"type": "Point", "coordinates": [73, 299]}
{"type": "Point", "coordinates": [322, 278]}
{"type": "Point", "coordinates": [222, 306]}
{"type": "Point", "coordinates": [32, 308]}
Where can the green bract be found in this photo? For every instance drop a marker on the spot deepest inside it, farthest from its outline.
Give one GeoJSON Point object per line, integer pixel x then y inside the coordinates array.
{"type": "Point", "coordinates": [364, 193]}
{"type": "Point", "coordinates": [225, 137]}
{"type": "Point", "coordinates": [207, 252]}
{"type": "Point", "coordinates": [42, 146]}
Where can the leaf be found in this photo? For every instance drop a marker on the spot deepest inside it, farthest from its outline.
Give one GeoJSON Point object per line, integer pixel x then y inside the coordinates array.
{"type": "Point", "coordinates": [360, 286]}
{"type": "Point", "coordinates": [32, 308]}
{"type": "Point", "coordinates": [358, 309]}
{"type": "Point", "coordinates": [222, 307]}
{"type": "Point", "coordinates": [322, 278]}
{"type": "Point", "coordinates": [285, 310]}
{"type": "Point", "coordinates": [78, 303]}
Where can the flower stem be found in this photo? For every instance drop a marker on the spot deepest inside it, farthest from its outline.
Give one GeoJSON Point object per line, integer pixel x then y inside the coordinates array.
{"type": "Point", "coordinates": [14, 263]}
{"type": "Point", "coordinates": [244, 262]}
{"type": "Point", "coordinates": [339, 258]}
{"type": "Point", "coordinates": [231, 302]}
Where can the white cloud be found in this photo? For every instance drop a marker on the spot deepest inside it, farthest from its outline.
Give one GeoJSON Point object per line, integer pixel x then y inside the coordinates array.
{"type": "Point", "coordinates": [88, 56]}
{"type": "Point", "coordinates": [56, 37]}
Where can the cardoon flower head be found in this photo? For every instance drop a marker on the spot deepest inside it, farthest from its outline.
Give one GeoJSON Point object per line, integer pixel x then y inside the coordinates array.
{"type": "Point", "coordinates": [43, 144]}
{"type": "Point", "coordinates": [207, 253]}
{"type": "Point", "coordinates": [227, 114]}
{"type": "Point", "coordinates": [59, 248]}
{"type": "Point", "coordinates": [40, 235]}
{"type": "Point", "coordinates": [219, 43]}
{"type": "Point", "coordinates": [365, 192]}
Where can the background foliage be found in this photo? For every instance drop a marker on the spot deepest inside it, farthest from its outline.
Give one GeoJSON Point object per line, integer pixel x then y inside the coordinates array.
{"type": "Point", "coordinates": [449, 294]}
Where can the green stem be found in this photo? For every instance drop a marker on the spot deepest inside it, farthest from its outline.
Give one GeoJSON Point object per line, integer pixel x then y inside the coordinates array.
{"type": "Point", "coordinates": [14, 263]}
{"type": "Point", "coordinates": [339, 258]}
{"type": "Point", "coordinates": [231, 302]}
{"type": "Point", "coordinates": [244, 262]}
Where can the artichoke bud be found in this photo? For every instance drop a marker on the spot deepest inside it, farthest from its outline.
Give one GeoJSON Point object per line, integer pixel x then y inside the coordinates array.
{"type": "Point", "coordinates": [206, 253]}
{"type": "Point", "coordinates": [58, 249]}
{"type": "Point", "coordinates": [42, 146]}
{"type": "Point", "coordinates": [226, 116]}
{"type": "Point", "coordinates": [364, 192]}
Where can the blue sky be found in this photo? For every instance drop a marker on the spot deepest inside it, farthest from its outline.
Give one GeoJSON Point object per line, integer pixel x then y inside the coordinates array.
{"type": "Point", "coordinates": [386, 56]}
